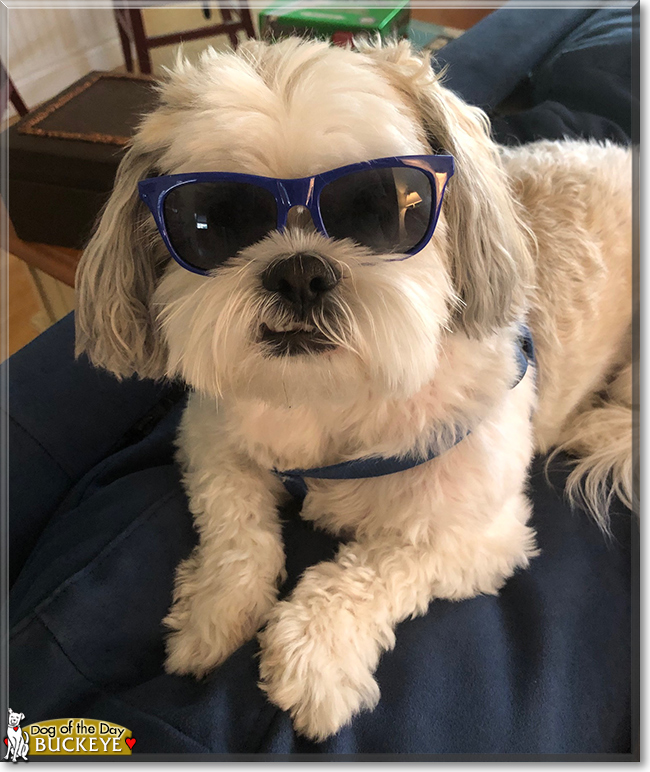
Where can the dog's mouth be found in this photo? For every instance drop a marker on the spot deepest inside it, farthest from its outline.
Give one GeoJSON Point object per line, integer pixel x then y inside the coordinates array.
{"type": "Point", "coordinates": [293, 339]}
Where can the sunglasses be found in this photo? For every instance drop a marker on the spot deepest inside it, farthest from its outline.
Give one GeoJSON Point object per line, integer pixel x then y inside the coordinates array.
{"type": "Point", "coordinates": [389, 205]}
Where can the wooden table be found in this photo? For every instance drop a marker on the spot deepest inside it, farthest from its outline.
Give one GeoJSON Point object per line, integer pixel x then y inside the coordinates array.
{"type": "Point", "coordinates": [58, 262]}
{"type": "Point", "coordinates": [41, 282]}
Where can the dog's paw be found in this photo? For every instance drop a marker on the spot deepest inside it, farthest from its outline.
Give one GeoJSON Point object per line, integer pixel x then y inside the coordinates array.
{"type": "Point", "coordinates": [317, 665]}
{"type": "Point", "coordinates": [195, 652]}
{"type": "Point", "coordinates": [206, 631]}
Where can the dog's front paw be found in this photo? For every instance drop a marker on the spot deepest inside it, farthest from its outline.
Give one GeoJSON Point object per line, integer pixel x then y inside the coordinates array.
{"type": "Point", "coordinates": [196, 648]}
{"type": "Point", "coordinates": [317, 665]}
{"type": "Point", "coordinates": [206, 630]}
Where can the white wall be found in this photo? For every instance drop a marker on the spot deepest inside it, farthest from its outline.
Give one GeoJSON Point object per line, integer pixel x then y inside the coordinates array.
{"type": "Point", "coordinates": [50, 48]}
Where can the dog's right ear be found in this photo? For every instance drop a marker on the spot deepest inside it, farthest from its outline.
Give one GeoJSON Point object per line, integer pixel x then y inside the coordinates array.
{"type": "Point", "coordinates": [116, 278]}
{"type": "Point", "coordinates": [490, 250]}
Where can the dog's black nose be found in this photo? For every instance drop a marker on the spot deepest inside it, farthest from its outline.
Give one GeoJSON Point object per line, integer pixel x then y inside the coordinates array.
{"type": "Point", "coordinates": [301, 280]}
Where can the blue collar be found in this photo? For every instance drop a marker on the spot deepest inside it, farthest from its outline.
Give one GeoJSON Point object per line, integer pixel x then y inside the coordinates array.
{"type": "Point", "coordinates": [377, 466]}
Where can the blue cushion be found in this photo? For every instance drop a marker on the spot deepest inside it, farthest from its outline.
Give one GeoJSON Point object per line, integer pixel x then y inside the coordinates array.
{"type": "Point", "coordinates": [64, 418]}
{"type": "Point", "coordinates": [542, 668]}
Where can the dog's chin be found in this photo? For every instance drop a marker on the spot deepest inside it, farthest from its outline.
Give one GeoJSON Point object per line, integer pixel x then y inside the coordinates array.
{"type": "Point", "coordinates": [300, 369]}
{"type": "Point", "coordinates": [288, 371]}
{"type": "Point", "coordinates": [291, 367]}
{"type": "Point", "coordinates": [303, 340]}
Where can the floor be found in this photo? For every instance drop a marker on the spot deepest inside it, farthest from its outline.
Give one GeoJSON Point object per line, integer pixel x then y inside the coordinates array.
{"type": "Point", "coordinates": [461, 18]}
{"type": "Point", "coordinates": [27, 317]}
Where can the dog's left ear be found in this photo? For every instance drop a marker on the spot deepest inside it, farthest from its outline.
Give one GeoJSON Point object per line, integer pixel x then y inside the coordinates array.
{"type": "Point", "coordinates": [22, 716]}
{"type": "Point", "coordinates": [116, 278]}
{"type": "Point", "coordinates": [489, 246]}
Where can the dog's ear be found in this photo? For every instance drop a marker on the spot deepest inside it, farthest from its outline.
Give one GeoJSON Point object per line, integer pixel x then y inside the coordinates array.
{"type": "Point", "coordinates": [22, 716]}
{"type": "Point", "coordinates": [115, 324]}
{"type": "Point", "coordinates": [489, 246]}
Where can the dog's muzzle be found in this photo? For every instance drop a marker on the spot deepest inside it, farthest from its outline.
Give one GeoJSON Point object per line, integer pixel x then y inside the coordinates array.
{"type": "Point", "coordinates": [300, 284]}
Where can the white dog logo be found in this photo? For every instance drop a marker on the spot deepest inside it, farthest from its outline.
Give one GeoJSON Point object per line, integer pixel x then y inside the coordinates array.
{"type": "Point", "coordinates": [17, 740]}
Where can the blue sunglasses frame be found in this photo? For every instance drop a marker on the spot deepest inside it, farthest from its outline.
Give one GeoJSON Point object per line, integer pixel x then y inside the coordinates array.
{"type": "Point", "coordinates": [304, 191]}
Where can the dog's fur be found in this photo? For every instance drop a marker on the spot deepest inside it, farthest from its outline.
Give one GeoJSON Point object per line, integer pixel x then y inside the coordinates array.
{"type": "Point", "coordinates": [541, 232]}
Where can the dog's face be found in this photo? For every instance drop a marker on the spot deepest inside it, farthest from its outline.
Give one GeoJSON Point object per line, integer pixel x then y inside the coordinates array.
{"type": "Point", "coordinates": [363, 324]}
{"type": "Point", "coordinates": [15, 718]}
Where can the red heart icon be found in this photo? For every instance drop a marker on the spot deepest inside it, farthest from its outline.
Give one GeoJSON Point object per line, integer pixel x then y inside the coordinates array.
{"type": "Point", "coordinates": [6, 741]}
{"type": "Point", "coordinates": [131, 743]}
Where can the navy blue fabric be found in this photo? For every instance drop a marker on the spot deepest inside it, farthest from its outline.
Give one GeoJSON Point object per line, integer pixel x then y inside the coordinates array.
{"type": "Point", "coordinates": [542, 668]}
{"type": "Point", "coordinates": [64, 419]}
{"type": "Point", "coordinates": [589, 72]}
{"type": "Point", "coordinates": [582, 89]}
{"type": "Point", "coordinates": [99, 521]}
{"type": "Point", "coordinates": [488, 61]}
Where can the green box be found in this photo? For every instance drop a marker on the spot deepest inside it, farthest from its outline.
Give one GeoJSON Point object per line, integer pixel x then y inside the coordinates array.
{"type": "Point", "coordinates": [334, 21]}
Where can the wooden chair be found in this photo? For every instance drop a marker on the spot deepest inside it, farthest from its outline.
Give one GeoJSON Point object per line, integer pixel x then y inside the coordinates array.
{"type": "Point", "coordinates": [130, 26]}
{"type": "Point", "coordinates": [9, 93]}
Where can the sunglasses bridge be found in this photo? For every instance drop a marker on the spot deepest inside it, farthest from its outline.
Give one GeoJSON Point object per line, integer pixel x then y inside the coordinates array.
{"type": "Point", "coordinates": [300, 217]}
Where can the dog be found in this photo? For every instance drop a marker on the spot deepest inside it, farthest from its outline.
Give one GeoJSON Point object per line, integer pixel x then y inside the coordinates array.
{"type": "Point", "coordinates": [305, 350]}
{"type": "Point", "coordinates": [17, 740]}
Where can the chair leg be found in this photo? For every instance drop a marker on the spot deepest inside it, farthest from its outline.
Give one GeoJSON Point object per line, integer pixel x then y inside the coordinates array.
{"type": "Point", "coordinates": [140, 40]}
{"type": "Point", "coordinates": [9, 93]}
{"type": "Point", "coordinates": [246, 19]}
{"type": "Point", "coordinates": [16, 99]}
{"type": "Point", "coordinates": [125, 40]}
{"type": "Point", "coordinates": [226, 17]}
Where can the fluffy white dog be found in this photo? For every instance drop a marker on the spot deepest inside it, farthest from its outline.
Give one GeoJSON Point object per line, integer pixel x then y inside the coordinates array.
{"type": "Point", "coordinates": [370, 356]}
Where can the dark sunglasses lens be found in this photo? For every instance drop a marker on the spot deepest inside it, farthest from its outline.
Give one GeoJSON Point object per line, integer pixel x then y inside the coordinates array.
{"type": "Point", "coordinates": [209, 222]}
{"type": "Point", "coordinates": [387, 210]}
